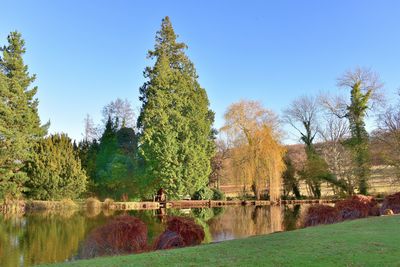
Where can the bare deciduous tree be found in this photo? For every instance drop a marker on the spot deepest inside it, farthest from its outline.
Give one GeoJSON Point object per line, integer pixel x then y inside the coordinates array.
{"type": "Point", "coordinates": [364, 86]}
{"type": "Point", "coordinates": [369, 85]}
{"type": "Point", "coordinates": [217, 162]}
{"type": "Point", "coordinates": [121, 112]}
{"type": "Point", "coordinates": [302, 116]}
{"type": "Point", "coordinates": [368, 80]}
{"type": "Point", "coordinates": [336, 155]}
{"type": "Point", "coordinates": [91, 131]}
{"type": "Point", "coordinates": [389, 136]}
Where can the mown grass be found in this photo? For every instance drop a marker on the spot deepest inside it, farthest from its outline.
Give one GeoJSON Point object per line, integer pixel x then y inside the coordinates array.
{"type": "Point", "coordinates": [373, 241]}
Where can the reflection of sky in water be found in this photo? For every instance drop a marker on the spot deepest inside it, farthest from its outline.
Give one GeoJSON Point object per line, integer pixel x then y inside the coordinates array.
{"type": "Point", "coordinates": [49, 237]}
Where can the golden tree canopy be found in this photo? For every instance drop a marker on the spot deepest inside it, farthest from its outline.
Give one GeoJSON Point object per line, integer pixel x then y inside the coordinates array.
{"type": "Point", "coordinates": [257, 154]}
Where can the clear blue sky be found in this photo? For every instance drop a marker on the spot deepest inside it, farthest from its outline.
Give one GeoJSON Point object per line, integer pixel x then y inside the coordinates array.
{"type": "Point", "coordinates": [87, 53]}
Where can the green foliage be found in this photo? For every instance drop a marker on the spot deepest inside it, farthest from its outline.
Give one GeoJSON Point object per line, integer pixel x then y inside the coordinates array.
{"type": "Point", "coordinates": [111, 164]}
{"type": "Point", "coordinates": [19, 120]}
{"type": "Point", "coordinates": [203, 194]}
{"type": "Point", "coordinates": [55, 170]}
{"type": "Point", "coordinates": [291, 216]}
{"type": "Point", "coordinates": [218, 194]}
{"type": "Point", "coordinates": [204, 214]}
{"type": "Point", "coordinates": [175, 122]}
{"type": "Point", "coordinates": [359, 135]}
{"type": "Point", "coordinates": [41, 237]}
{"type": "Point", "coordinates": [290, 183]}
{"type": "Point", "coordinates": [314, 172]}
{"type": "Point", "coordinates": [87, 151]}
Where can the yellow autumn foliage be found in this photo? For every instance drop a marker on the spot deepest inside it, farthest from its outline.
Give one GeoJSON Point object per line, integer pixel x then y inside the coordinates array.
{"type": "Point", "coordinates": [256, 152]}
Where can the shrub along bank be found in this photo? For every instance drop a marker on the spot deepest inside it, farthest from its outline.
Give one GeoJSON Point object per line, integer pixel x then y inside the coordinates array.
{"type": "Point", "coordinates": [372, 241]}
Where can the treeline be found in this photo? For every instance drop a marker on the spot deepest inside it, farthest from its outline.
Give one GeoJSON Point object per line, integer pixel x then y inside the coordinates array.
{"type": "Point", "coordinates": [170, 146]}
{"type": "Point", "coordinates": [172, 143]}
{"type": "Point", "coordinates": [31, 163]}
{"type": "Point", "coordinates": [111, 163]}
{"type": "Point", "coordinates": [335, 146]}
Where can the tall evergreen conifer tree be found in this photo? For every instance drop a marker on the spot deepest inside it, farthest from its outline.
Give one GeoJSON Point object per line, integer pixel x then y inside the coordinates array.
{"type": "Point", "coordinates": [19, 120]}
{"type": "Point", "coordinates": [111, 164]}
{"type": "Point", "coordinates": [175, 122]}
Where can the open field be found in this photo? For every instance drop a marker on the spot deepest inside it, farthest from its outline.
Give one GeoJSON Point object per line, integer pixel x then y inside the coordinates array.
{"type": "Point", "coordinates": [383, 181]}
{"type": "Point", "coordinates": [373, 241]}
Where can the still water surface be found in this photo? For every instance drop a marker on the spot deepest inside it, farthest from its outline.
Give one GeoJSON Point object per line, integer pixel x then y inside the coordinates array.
{"type": "Point", "coordinates": [49, 237]}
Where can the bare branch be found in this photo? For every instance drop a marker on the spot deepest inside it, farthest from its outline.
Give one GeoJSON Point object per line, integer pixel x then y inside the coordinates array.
{"type": "Point", "coordinates": [302, 115]}
{"type": "Point", "coordinates": [120, 110]}
{"type": "Point", "coordinates": [335, 105]}
{"type": "Point", "coordinates": [369, 81]}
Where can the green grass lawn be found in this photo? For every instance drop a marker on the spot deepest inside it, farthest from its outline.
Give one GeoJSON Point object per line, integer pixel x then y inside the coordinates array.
{"type": "Point", "coordinates": [367, 242]}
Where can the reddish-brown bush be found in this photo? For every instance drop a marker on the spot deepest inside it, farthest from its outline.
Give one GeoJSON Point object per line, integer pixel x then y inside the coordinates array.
{"type": "Point", "coordinates": [124, 234]}
{"type": "Point", "coordinates": [168, 240]}
{"type": "Point", "coordinates": [188, 229]}
{"type": "Point", "coordinates": [391, 202]}
{"type": "Point", "coordinates": [358, 206]}
{"type": "Point", "coordinates": [180, 232]}
{"type": "Point", "coordinates": [321, 214]}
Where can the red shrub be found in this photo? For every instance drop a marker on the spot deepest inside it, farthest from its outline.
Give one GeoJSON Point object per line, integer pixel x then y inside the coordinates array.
{"type": "Point", "coordinates": [188, 229]}
{"type": "Point", "coordinates": [357, 206]}
{"type": "Point", "coordinates": [321, 214]}
{"type": "Point", "coordinates": [124, 234]}
{"type": "Point", "coordinates": [168, 240]}
{"type": "Point", "coordinates": [391, 202]}
{"type": "Point", "coordinates": [181, 232]}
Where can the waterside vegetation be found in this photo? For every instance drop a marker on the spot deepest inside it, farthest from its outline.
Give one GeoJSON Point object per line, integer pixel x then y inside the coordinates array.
{"type": "Point", "coordinates": [172, 146]}
{"type": "Point", "coordinates": [365, 242]}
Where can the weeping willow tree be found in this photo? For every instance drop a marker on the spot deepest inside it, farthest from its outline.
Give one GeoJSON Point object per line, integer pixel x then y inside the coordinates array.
{"type": "Point", "coordinates": [256, 152]}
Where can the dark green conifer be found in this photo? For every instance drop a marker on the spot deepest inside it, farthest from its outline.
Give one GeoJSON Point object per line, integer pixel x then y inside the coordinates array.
{"type": "Point", "coordinates": [19, 120]}
{"type": "Point", "coordinates": [55, 170]}
{"type": "Point", "coordinates": [114, 166]}
{"type": "Point", "coordinates": [175, 123]}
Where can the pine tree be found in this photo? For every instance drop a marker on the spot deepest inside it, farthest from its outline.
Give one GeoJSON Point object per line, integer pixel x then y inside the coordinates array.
{"type": "Point", "coordinates": [175, 122]}
{"type": "Point", "coordinates": [115, 166]}
{"type": "Point", "coordinates": [19, 120]}
{"type": "Point", "coordinates": [55, 170]}
{"type": "Point", "coordinates": [87, 152]}
{"type": "Point", "coordinates": [106, 152]}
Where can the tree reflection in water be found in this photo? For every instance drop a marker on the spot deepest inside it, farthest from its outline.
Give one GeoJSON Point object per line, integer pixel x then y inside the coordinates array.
{"type": "Point", "coordinates": [41, 238]}
{"type": "Point", "coordinates": [56, 237]}
{"type": "Point", "coordinates": [291, 215]}
{"type": "Point", "coordinates": [239, 222]}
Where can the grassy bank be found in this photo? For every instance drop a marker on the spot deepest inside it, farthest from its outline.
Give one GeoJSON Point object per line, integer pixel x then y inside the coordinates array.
{"type": "Point", "coordinates": [367, 242]}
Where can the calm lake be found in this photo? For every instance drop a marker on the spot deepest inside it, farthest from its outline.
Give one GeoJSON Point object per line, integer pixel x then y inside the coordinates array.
{"type": "Point", "coordinates": [49, 237]}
